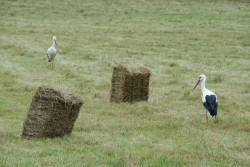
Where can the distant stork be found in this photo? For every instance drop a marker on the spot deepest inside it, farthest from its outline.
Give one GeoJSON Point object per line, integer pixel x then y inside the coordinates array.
{"type": "Point", "coordinates": [51, 52]}
{"type": "Point", "coordinates": [209, 98]}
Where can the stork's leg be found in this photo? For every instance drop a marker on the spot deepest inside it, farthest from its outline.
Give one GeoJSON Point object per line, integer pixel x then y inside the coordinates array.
{"type": "Point", "coordinates": [216, 118]}
{"type": "Point", "coordinates": [206, 117]}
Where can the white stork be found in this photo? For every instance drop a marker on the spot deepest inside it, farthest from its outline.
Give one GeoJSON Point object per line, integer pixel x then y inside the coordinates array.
{"type": "Point", "coordinates": [209, 98]}
{"type": "Point", "coordinates": [51, 52]}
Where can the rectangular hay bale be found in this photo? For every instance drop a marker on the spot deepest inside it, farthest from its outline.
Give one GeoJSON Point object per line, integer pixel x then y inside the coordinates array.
{"type": "Point", "coordinates": [51, 114]}
{"type": "Point", "coordinates": [129, 83]}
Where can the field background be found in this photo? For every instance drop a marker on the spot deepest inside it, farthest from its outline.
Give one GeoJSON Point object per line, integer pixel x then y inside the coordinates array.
{"type": "Point", "coordinates": [177, 40]}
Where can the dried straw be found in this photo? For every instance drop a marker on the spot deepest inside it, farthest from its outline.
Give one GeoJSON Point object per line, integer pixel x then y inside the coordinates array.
{"type": "Point", "coordinates": [52, 113]}
{"type": "Point", "coordinates": [129, 83]}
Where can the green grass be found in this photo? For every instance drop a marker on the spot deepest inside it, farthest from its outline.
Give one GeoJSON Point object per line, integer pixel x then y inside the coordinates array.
{"type": "Point", "coordinates": [177, 40]}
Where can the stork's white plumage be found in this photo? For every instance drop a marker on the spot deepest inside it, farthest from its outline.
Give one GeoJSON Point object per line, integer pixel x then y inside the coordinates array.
{"type": "Point", "coordinates": [51, 52]}
{"type": "Point", "coordinates": [209, 98]}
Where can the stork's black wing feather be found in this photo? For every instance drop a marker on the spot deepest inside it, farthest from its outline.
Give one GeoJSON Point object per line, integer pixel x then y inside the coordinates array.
{"type": "Point", "coordinates": [211, 105]}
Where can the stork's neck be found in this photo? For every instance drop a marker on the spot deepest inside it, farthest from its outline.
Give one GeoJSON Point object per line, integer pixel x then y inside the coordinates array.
{"type": "Point", "coordinates": [203, 87]}
{"type": "Point", "coordinates": [53, 43]}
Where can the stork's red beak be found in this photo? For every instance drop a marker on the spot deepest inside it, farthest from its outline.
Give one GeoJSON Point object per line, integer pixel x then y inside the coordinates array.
{"type": "Point", "coordinates": [197, 83]}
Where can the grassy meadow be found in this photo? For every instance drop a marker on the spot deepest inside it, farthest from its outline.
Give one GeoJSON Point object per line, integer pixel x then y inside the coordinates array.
{"type": "Point", "coordinates": [177, 40]}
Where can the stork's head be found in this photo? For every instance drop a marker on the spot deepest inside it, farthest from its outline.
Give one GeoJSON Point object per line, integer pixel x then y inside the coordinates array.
{"type": "Point", "coordinates": [201, 78]}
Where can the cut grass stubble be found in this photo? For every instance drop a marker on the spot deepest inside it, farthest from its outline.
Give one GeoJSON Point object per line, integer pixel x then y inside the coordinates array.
{"type": "Point", "coordinates": [177, 40]}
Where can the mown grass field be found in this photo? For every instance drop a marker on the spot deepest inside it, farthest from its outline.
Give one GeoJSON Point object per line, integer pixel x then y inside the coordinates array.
{"type": "Point", "coordinates": [176, 40]}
